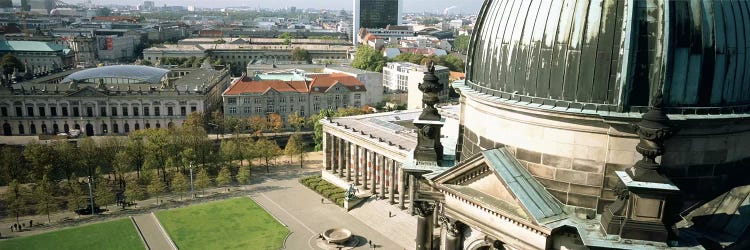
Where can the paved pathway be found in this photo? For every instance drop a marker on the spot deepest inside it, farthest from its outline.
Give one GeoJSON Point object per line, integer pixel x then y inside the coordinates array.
{"type": "Point", "coordinates": [374, 213]}
{"type": "Point", "coordinates": [300, 209]}
{"type": "Point", "coordinates": [153, 232]}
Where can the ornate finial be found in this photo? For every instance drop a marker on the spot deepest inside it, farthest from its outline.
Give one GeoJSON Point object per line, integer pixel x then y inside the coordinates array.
{"type": "Point", "coordinates": [653, 129]}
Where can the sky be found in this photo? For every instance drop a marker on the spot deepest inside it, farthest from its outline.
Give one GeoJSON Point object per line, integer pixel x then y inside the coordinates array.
{"type": "Point", "coordinates": [462, 6]}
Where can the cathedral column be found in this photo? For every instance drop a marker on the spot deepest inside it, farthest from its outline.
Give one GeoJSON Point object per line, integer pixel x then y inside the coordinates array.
{"type": "Point", "coordinates": [391, 181]}
{"type": "Point", "coordinates": [424, 212]}
{"type": "Point", "coordinates": [401, 183]}
{"type": "Point", "coordinates": [412, 192]}
{"type": "Point", "coordinates": [450, 234]}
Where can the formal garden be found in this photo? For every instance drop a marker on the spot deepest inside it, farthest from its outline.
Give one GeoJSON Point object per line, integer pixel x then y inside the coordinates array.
{"type": "Point", "coordinates": [237, 223]}
{"type": "Point", "coordinates": [331, 192]}
{"type": "Point", "coordinates": [82, 237]}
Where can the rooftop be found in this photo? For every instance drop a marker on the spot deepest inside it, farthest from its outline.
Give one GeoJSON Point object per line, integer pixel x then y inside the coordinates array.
{"type": "Point", "coordinates": [33, 46]}
{"type": "Point", "coordinates": [135, 72]}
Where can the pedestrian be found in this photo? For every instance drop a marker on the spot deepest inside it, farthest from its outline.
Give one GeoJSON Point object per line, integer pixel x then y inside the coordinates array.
{"type": "Point", "coordinates": [369, 243]}
{"type": "Point", "coordinates": [389, 214]}
{"type": "Point", "coordinates": [321, 200]}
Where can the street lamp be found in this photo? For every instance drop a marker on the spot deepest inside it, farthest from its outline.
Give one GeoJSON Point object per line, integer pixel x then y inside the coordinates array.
{"type": "Point", "coordinates": [191, 180]}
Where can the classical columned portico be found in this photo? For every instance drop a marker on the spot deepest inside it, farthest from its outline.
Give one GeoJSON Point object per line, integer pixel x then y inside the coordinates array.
{"type": "Point", "coordinates": [391, 180]}
{"type": "Point", "coordinates": [401, 183]}
{"type": "Point", "coordinates": [373, 172]}
{"type": "Point", "coordinates": [349, 160]}
{"type": "Point", "coordinates": [381, 171]}
{"type": "Point", "coordinates": [342, 156]}
{"type": "Point", "coordinates": [327, 147]}
{"type": "Point", "coordinates": [365, 166]}
{"type": "Point", "coordinates": [357, 164]}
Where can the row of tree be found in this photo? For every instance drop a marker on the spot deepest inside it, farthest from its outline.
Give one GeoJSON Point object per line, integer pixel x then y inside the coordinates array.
{"type": "Point", "coordinates": [368, 58]}
{"type": "Point", "coordinates": [43, 178]}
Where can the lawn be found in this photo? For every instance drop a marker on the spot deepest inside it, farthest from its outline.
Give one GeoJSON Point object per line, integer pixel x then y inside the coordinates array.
{"type": "Point", "coordinates": [237, 223]}
{"type": "Point", "coordinates": [118, 234]}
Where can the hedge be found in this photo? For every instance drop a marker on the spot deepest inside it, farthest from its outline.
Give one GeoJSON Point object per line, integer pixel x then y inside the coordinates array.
{"type": "Point", "coordinates": [324, 188]}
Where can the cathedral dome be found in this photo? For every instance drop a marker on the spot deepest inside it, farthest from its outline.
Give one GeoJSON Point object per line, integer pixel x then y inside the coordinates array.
{"type": "Point", "coordinates": [614, 56]}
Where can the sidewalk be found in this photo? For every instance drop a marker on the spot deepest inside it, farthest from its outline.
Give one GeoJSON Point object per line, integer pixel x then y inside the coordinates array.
{"type": "Point", "coordinates": [153, 233]}
{"type": "Point", "coordinates": [374, 213]}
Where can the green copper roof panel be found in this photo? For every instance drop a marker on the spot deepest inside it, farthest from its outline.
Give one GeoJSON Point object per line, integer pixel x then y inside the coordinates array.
{"type": "Point", "coordinates": [536, 200]}
{"type": "Point", "coordinates": [35, 46]}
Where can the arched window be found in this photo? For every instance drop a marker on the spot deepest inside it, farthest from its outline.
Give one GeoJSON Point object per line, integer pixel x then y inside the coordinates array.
{"type": "Point", "coordinates": [115, 128]}
{"type": "Point", "coordinates": [33, 129]}
{"type": "Point", "coordinates": [127, 128]}
{"type": "Point", "coordinates": [21, 130]}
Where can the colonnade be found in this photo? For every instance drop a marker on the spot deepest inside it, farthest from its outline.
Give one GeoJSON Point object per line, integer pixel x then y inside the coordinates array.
{"type": "Point", "coordinates": [371, 171]}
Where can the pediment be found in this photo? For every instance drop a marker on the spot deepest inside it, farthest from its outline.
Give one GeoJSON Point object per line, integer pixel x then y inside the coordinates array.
{"type": "Point", "coordinates": [337, 87]}
{"type": "Point", "coordinates": [496, 180]}
{"type": "Point", "coordinates": [87, 92]}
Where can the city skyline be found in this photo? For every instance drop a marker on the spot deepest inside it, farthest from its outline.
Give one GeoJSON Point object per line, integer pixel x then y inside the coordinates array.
{"type": "Point", "coordinates": [438, 6]}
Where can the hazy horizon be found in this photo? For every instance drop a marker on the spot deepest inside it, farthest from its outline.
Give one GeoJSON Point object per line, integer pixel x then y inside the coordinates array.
{"type": "Point", "coordinates": [432, 6]}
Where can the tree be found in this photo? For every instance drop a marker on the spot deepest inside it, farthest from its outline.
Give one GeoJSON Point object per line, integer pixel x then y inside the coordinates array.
{"type": "Point", "coordinates": [195, 119]}
{"type": "Point", "coordinates": [179, 183]}
{"type": "Point", "coordinates": [122, 166]}
{"type": "Point", "coordinates": [202, 180]}
{"type": "Point", "coordinates": [275, 122]}
{"type": "Point", "coordinates": [10, 63]}
{"type": "Point", "coordinates": [217, 118]}
{"type": "Point", "coordinates": [76, 198]}
{"type": "Point", "coordinates": [294, 147]}
{"type": "Point", "coordinates": [134, 191]}
{"type": "Point", "coordinates": [368, 58]}
{"type": "Point", "coordinates": [103, 193]}
{"type": "Point", "coordinates": [258, 124]}
{"type": "Point", "coordinates": [409, 57]}
{"type": "Point", "coordinates": [296, 121]}
{"type": "Point", "coordinates": [225, 176]}
{"type": "Point", "coordinates": [461, 44]}
{"type": "Point", "coordinates": [16, 201]}
{"type": "Point", "coordinates": [40, 158]}
{"type": "Point", "coordinates": [11, 165]}
{"type": "Point", "coordinates": [452, 62]}
{"type": "Point", "coordinates": [156, 187]}
{"type": "Point", "coordinates": [146, 63]}
{"type": "Point", "coordinates": [43, 192]}
{"type": "Point", "coordinates": [268, 150]}
{"type": "Point", "coordinates": [300, 54]}
{"type": "Point", "coordinates": [243, 175]}
{"type": "Point", "coordinates": [287, 38]}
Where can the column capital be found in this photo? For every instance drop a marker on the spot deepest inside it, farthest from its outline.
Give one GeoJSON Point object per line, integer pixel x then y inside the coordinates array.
{"type": "Point", "coordinates": [424, 208]}
{"type": "Point", "coordinates": [451, 225]}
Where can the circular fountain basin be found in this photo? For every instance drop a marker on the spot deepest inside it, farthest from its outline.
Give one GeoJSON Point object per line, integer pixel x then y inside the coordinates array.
{"type": "Point", "coordinates": [337, 235]}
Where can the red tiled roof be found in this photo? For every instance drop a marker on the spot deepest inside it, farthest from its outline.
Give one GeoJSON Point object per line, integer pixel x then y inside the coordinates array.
{"type": "Point", "coordinates": [323, 82]}
{"type": "Point", "coordinates": [247, 85]}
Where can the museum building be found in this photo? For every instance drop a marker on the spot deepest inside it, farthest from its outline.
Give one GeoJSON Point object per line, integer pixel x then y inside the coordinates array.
{"type": "Point", "coordinates": [593, 125]}
{"type": "Point", "coordinates": [109, 100]}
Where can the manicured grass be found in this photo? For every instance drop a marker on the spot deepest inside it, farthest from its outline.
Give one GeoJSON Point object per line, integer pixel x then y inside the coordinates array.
{"type": "Point", "coordinates": [118, 234]}
{"type": "Point", "coordinates": [237, 223]}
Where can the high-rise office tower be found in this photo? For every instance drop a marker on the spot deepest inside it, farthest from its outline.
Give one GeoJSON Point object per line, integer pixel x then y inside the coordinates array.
{"type": "Point", "coordinates": [375, 14]}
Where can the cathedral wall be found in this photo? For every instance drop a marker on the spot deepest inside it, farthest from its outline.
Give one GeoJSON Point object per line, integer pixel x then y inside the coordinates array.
{"type": "Point", "coordinates": [575, 157]}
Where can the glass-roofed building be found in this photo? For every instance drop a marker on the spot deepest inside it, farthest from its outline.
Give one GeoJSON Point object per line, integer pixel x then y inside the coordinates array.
{"type": "Point", "coordinates": [109, 100]}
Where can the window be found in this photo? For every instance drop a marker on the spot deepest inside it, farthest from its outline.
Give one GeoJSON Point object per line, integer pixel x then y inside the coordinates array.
{"type": "Point", "coordinates": [89, 111]}
{"type": "Point", "coordinates": [316, 107]}
{"type": "Point", "coordinates": [257, 100]}
{"type": "Point", "coordinates": [357, 96]}
{"type": "Point", "coordinates": [19, 111]}
{"type": "Point", "coordinates": [4, 111]}
{"type": "Point", "coordinates": [103, 111]}
{"type": "Point", "coordinates": [247, 110]}
{"type": "Point", "coordinates": [338, 97]}
{"type": "Point", "coordinates": [64, 111]}
{"type": "Point", "coordinates": [282, 109]}
{"type": "Point", "coordinates": [246, 100]}
{"type": "Point", "coordinates": [232, 100]}
{"type": "Point", "coordinates": [157, 111]}
{"type": "Point", "coordinates": [282, 100]}
{"type": "Point", "coordinates": [146, 111]}
{"type": "Point", "coordinates": [291, 108]}
{"type": "Point", "coordinates": [42, 112]}
{"type": "Point", "coordinates": [183, 111]}
{"type": "Point", "coordinates": [193, 109]}
{"type": "Point", "coordinates": [301, 99]}
{"type": "Point", "coordinates": [114, 112]}
{"type": "Point", "coordinates": [124, 111]}
{"type": "Point", "coordinates": [76, 112]}
{"type": "Point", "coordinates": [135, 111]}
{"type": "Point", "coordinates": [302, 112]}
{"type": "Point", "coordinates": [170, 111]}
{"type": "Point", "coordinates": [317, 98]}
{"type": "Point", "coordinates": [233, 110]}
{"type": "Point", "coordinates": [258, 110]}
{"type": "Point", "coordinates": [291, 99]}
{"type": "Point", "coordinates": [30, 111]}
